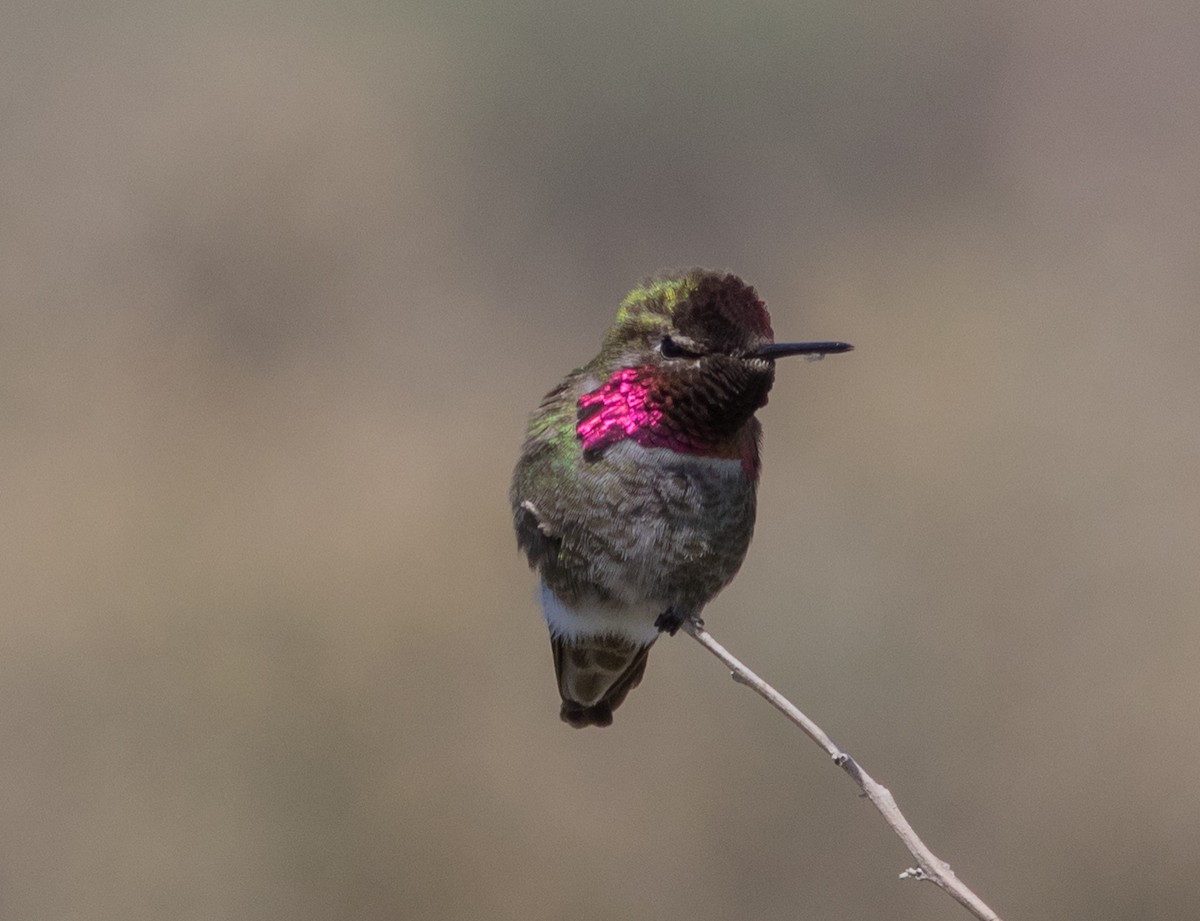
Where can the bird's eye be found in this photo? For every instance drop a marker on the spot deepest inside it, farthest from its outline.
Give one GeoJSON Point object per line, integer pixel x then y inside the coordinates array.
{"type": "Point", "coordinates": [672, 349]}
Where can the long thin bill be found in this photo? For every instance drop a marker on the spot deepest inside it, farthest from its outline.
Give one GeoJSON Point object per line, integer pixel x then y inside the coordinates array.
{"type": "Point", "coordinates": [783, 349]}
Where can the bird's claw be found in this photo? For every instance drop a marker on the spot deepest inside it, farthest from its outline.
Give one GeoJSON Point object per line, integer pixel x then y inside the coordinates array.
{"type": "Point", "coordinates": [669, 621]}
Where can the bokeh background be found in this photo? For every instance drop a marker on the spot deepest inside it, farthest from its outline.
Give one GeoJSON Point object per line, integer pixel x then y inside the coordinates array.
{"type": "Point", "coordinates": [281, 282]}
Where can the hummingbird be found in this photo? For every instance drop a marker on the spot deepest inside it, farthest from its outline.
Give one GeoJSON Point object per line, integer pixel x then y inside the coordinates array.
{"type": "Point", "coordinates": [634, 496]}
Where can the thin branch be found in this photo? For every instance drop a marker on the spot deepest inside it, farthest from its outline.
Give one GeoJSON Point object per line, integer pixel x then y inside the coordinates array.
{"type": "Point", "coordinates": [929, 865]}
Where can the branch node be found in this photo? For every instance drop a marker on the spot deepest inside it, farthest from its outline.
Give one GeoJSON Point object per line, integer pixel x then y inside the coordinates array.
{"type": "Point", "coordinates": [914, 873]}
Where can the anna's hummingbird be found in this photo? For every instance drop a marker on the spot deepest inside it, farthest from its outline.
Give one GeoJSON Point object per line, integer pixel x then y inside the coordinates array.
{"type": "Point", "coordinates": [635, 492]}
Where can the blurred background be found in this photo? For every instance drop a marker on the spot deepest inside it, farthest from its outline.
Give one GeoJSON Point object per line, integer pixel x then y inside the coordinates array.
{"type": "Point", "coordinates": [281, 283]}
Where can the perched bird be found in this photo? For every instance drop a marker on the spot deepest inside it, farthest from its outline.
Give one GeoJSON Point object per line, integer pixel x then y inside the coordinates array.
{"type": "Point", "coordinates": [634, 496]}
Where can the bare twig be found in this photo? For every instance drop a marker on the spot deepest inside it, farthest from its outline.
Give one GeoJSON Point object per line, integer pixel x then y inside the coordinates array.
{"type": "Point", "coordinates": [929, 865]}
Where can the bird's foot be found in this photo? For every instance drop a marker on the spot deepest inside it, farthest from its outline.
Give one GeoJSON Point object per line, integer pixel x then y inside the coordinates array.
{"type": "Point", "coordinates": [670, 620]}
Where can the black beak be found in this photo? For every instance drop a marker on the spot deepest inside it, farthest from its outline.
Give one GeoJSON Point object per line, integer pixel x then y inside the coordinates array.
{"type": "Point", "coordinates": [783, 349]}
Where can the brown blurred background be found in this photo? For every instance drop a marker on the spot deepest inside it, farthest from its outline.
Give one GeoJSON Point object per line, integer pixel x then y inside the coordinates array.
{"type": "Point", "coordinates": [281, 283]}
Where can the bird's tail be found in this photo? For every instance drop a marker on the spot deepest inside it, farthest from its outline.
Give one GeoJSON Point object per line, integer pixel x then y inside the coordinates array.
{"type": "Point", "coordinates": [594, 675]}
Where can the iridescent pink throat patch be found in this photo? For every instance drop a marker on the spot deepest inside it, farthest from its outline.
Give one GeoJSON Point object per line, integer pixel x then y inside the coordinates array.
{"type": "Point", "coordinates": [622, 407]}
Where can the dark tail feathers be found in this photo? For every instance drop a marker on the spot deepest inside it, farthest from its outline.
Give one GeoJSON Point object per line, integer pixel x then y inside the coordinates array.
{"type": "Point", "coordinates": [594, 675]}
